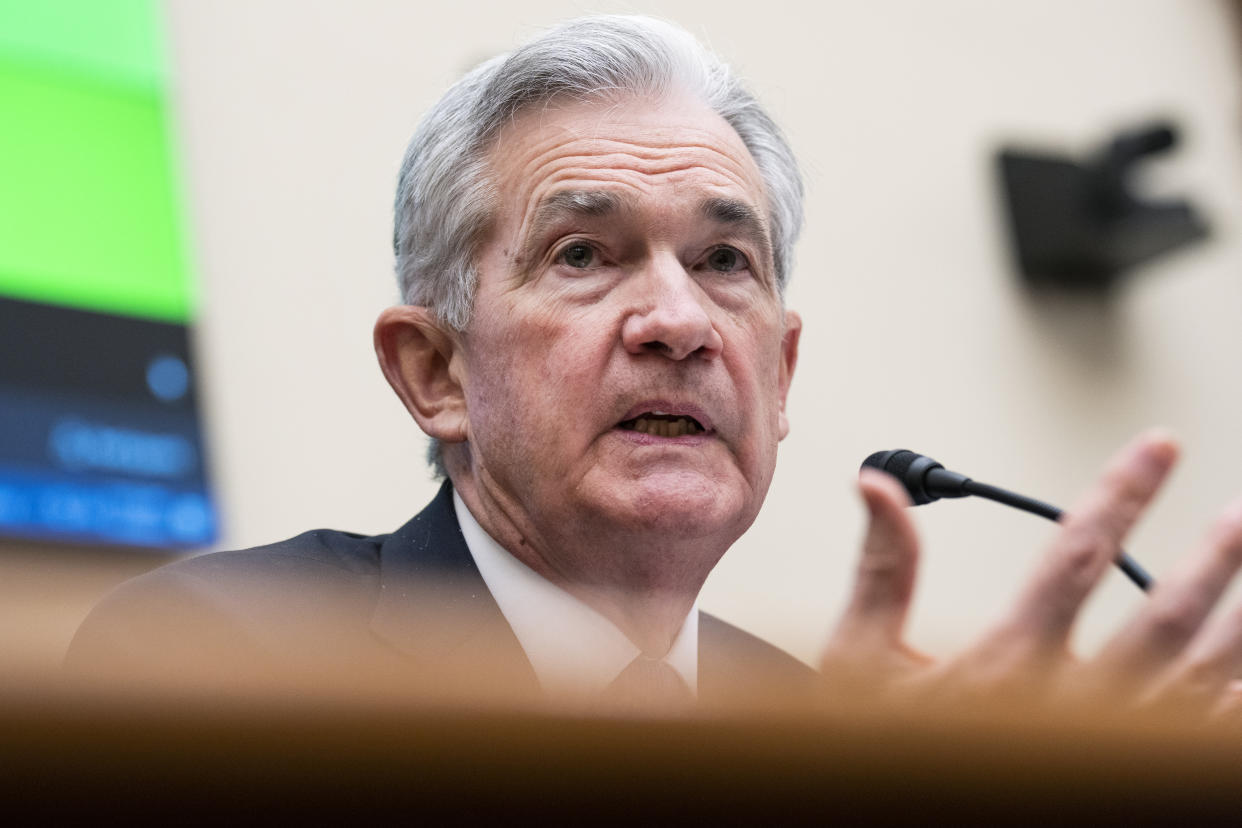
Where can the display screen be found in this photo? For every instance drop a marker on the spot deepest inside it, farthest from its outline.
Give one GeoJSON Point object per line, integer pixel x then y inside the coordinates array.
{"type": "Point", "coordinates": [100, 438]}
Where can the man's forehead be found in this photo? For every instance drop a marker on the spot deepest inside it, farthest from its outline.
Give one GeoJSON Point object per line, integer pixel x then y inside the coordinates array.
{"type": "Point", "coordinates": [672, 137]}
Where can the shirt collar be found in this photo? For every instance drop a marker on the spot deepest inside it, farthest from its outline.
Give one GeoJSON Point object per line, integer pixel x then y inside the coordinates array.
{"type": "Point", "coordinates": [573, 649]}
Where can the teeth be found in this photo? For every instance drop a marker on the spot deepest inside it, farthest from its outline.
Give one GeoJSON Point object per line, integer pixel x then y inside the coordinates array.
{"type": "Point", "coordinates": [677, 427]}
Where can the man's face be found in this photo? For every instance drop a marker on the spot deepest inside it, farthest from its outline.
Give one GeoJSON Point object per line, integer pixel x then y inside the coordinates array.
{"type": "Point", "coordinates": [628, 357]}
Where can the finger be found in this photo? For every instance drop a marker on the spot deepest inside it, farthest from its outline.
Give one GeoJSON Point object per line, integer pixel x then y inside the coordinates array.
{"type": "Point", "coordinates": [1217, 655]}
{"type": "Point", "coordinates": [1089, 541]}
{"type": "Point", "coordinates": [884, 582]}
{"type": "Point", "coordinates": [1228, 708]}
{"type": "Point", "coordinates": [866, 652]}
{"type": "Point", "coordinates": [1177, 609]}
{"type": "Point", "coordinates": [1202, 678]}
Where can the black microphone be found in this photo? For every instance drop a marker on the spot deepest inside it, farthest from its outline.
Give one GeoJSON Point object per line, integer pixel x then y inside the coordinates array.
{"type": "Point", "coordinates": [927, 481]}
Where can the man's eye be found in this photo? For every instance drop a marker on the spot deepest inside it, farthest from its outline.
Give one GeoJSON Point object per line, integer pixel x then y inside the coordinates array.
{"type": "Point", "coordinates": [578, 255]}
{"type": "Point", "coordinates": [726, 260]}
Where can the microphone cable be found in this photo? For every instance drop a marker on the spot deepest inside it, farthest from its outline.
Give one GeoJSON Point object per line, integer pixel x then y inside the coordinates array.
{"type": "Point", "coordinates": [926, 481]}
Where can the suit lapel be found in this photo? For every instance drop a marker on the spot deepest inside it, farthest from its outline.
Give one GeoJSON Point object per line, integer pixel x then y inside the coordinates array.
{"type": "Point", "coordinates": [433, 604]}
{"type": "Point", "coordinates": [735, 666]}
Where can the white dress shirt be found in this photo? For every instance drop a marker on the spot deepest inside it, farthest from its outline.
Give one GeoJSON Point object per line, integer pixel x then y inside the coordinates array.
{"type": "Point", "coordinates": [574, 650]}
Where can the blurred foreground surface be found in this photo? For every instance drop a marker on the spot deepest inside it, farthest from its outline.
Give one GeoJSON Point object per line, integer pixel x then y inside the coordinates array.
{"type": "Point", "coordinates": [200, 756]}
{"type": "Point", "coordinates": [348, 737]}
{"type": "Point", "coordinates": [46, 591]}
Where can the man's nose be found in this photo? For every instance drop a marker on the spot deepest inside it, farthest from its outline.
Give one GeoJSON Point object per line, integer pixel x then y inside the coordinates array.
{"type": "Point", "coordinates": [670, 317]}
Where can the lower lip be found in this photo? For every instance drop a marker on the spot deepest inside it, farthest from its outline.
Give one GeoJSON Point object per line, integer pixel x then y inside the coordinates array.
{"type": "Point", "coordinates": [644, 439]}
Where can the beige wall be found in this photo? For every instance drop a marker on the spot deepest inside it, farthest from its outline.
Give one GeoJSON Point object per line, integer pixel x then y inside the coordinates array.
{"type": "Point", "coordinates": [292, 117]}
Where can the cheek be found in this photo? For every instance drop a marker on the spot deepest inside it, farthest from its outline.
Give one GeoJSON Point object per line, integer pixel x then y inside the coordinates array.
{"type": "Point", "coordinates": [536, 379]}
{"type": "Point", "coordinates": [757, 378]}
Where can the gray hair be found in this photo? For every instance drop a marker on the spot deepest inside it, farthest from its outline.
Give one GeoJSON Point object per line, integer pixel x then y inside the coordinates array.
{"type": "Point", "coordinates": [445, 198]}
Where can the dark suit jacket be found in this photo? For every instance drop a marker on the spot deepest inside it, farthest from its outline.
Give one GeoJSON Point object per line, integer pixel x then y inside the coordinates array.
{"type": "Point", "coordinates": [414, 597]}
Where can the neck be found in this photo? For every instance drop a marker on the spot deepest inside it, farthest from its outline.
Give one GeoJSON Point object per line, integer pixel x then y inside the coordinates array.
{"type": "Point", "coordinates": [645, 586]}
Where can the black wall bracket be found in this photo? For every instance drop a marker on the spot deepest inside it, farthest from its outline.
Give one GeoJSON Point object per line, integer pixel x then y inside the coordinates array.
{"type": "Point", "coordinates": [1079, 224]}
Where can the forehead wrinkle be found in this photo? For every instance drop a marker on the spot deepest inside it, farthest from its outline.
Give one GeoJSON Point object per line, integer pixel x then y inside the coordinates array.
{"type": "Point", "coordinates": [599, 147]}
{"type": "Point", "coordinates": [648, 160]}
{"type": "Point", "coordinates": [543, 137]}
{"type": "Point", "coordinates": [596, 134]}
{"type": "Point", "coordinates": [625, 170]}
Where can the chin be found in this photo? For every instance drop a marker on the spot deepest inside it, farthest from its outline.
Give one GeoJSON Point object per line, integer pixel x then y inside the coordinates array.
{"type": "Point", "coordinates": [681, 506]}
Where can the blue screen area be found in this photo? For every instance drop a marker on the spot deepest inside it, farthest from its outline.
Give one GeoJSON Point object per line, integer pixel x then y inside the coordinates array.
{"type": "Point", "coordinates": [100, 440]}
{"type": "Point", "coordinates": [108, 471]}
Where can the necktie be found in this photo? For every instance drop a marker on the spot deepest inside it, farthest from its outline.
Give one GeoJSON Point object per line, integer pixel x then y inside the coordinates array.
{"type": "Point", "coordinates": [648, 685]}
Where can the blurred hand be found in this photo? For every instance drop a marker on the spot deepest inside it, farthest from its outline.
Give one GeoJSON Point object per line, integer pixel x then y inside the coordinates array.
{"type": "Point", "coordinates": [1170, 652]}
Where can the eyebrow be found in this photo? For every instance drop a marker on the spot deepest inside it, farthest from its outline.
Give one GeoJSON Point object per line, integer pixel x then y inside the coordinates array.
{"type": "Point", "coordinates": [561, 205]}
{"type": "Point", "coordinates": [572, 203]}
{"type": "Point", "coordinates": [739, 214]}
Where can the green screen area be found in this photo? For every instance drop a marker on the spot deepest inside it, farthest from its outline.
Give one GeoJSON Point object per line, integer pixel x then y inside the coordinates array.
{"type": "Point", "coordinates": [89, 208]}
{"type": "Point", "coordinates": [117, 41]}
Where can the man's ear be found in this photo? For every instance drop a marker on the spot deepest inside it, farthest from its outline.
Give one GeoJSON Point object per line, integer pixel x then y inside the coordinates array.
{"type": "Point", "coordinates": [424, 363]}
{"type": "Point", "coordinates": [789, 361]}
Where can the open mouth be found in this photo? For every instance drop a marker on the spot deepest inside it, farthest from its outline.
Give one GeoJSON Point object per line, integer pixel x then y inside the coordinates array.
{"type": "Point", "coordinates": [659, 424]}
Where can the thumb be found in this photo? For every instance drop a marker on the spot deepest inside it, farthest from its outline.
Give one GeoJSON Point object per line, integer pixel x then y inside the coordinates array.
{"type": "Point", "coordinates": [884, 582]}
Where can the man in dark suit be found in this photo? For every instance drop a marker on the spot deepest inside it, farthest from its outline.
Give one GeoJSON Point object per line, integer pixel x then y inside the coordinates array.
{"type": "Point", "coordinates": [593, 237]}
{"type": "Point", "coordinates": [410, 606]}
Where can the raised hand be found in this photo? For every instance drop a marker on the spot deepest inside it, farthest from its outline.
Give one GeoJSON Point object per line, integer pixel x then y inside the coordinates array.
{"type": "Point", "coordinates": [1173, 651]}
